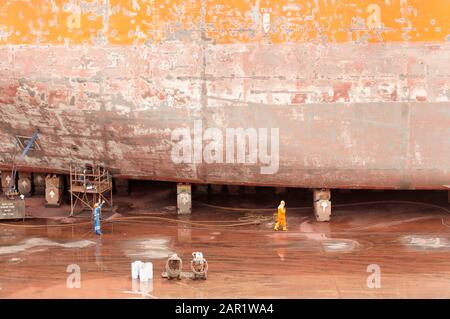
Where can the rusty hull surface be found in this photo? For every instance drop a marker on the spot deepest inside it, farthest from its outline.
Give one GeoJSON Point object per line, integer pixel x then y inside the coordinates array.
{"type": "Point", "coordinates": [359, 103]}
{"type": "Point", "coordinates": [410, 244]}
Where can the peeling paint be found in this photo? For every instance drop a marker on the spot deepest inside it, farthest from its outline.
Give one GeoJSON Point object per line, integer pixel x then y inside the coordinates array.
{"type": "Point", "coordinates": [140, 21]}
{"type": "Point", "coordinates": [358, 104]}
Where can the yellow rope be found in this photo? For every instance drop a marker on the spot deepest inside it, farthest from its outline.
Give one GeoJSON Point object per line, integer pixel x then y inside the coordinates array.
{"type": "Point", "coordinates": [249, 219]}
{"type": "Point", "coordinates": [254, 220]}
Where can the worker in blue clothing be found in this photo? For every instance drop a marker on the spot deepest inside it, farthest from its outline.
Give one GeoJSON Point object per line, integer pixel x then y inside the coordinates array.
{"type": "Point", "coordinates": [97, 213]}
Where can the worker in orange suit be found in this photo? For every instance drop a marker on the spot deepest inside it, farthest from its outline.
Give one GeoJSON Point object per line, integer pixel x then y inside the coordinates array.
{"type": "Point", "coordinates": [281, 217]}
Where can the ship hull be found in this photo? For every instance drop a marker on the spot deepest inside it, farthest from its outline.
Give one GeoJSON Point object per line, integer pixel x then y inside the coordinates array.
{"type": "Point", "coordinates": [124, 116]}
{"type": "Point", "coordinates": [333, 94]}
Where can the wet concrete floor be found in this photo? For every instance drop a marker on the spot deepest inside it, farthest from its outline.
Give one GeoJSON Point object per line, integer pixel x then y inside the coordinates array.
{"type": "Point", "coordinates": [409, 244]}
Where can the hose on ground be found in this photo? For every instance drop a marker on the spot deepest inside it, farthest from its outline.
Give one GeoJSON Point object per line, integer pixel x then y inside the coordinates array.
{"type": "Point", "coordinates": [249, 219]}
{"type": "Point", "coordinates": [334, 205]}
{"type": "Point", "coordinates": [244, 222]}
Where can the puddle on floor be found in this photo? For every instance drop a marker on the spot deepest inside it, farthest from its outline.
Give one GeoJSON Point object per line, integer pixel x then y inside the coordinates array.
{"type": "Point", "coordinates": [340, 245]}
{"type": "Point", "coordinates": [426, 242]}
{"type": "Point", "coordinates": [41, 244]}
{"type": "Point", "coordinates": [155, 248]}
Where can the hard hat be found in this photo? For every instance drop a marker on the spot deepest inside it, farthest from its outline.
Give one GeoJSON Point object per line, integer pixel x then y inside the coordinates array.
{"type": "Point", "coordinates": [282, 202]}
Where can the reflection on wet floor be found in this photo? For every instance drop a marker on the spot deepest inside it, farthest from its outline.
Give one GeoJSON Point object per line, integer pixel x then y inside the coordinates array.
{"type": "Point", "coordinates": [152, 248]}
{"type": "Point", "coordinates": [426, 242]}
{"type": "Point", "coordinates": [39, 244]}
{"type": "Point", "coordinates": [410, 244]}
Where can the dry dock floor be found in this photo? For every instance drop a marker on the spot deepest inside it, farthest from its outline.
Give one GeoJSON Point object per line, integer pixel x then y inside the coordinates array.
{"type": "Point", "coordinates": [408, 243]}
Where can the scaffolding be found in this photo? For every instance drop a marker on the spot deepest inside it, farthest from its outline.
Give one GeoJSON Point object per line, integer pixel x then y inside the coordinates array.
{"type": "Point", "coordinates": [88, 185]}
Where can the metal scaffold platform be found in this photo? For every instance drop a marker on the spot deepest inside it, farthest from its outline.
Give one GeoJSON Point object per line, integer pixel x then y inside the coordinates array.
{"type": "Point", "coordinates": [88, 185]}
